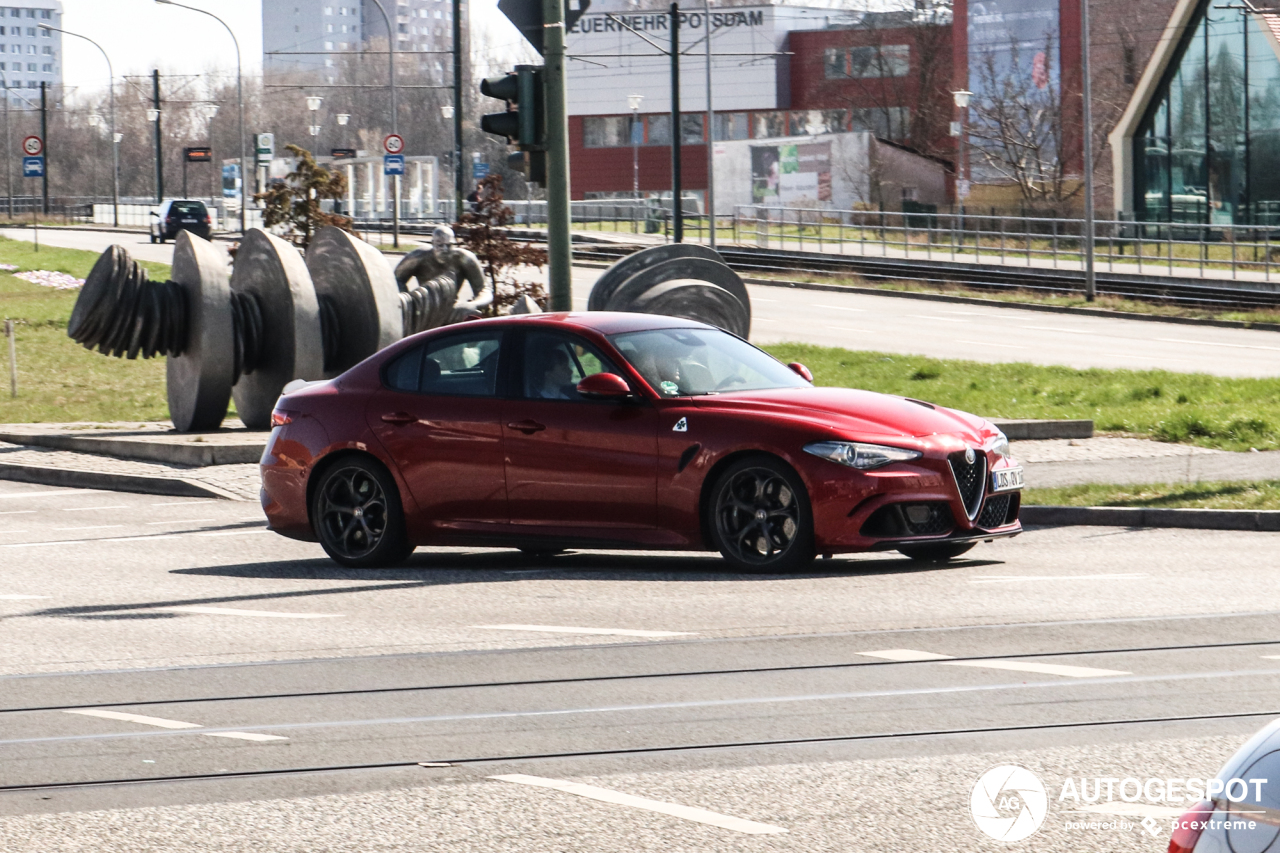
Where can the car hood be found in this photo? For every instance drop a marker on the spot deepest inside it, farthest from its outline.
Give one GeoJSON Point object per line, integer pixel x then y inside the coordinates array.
{"type": "Point", "coordinates": [861, 412]}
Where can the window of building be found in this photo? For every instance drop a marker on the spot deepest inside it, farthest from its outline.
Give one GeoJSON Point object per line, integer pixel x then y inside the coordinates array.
{"type": "Point", "coordinates": [402, 28]}
{"type": "Point", "coordinates": [845, 63]}
{"type": "Point", "coordinates": [658, 130]}
{"type": "Point", "coordinates": [31, 66]}
{"type": "Point", "coordinates": [31, 49]}
{"type": "Point", "coordinates": [692, 129]}
{"type": "Point", "coordinates": [46, 13]}
{"type": "Point", "coordinates": [15, 13]}
{"type": "Point", "coordinates": [47, 68]}
{"type": "Point", "coordinates": [328, 45]}
{"type": "Point", "coordinates": [31, 13]}
{"type": "Point", "coordinates": [605, 131]}
{"type": "Point", "coordinates": [1, 31]}
{"type": "Point", "coordinates": [329, 28]}
{"type": "Point", "coordinates": [328, 10]}
{"type": "Point", "coordinates": [31, 32]}
{"type": "Point", "coordinates": [731, 126]}
{"type": "Point", "coordinates": [47, 50]}
{"type": "Point", "coordinates": [768, 125]}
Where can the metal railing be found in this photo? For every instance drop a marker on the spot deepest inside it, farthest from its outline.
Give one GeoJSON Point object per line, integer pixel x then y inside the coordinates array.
{"type": "Point", "coordinates": [1239, 252]}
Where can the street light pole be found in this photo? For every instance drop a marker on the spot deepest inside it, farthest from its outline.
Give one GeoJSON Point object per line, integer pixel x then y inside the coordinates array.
{"type": "Point", "coordinates": [244, 166]}
{"type": "Point", "coordinates": [391, 76]}
{"type": "Point", "coordinates": [961, 98]}
{"type": "Point", "coordinates": [115, 156]}
{"type": "Point", "coordinates": [1090, 281]}
{"type": "Point", "coordinates": [711, 125]}
{"type": "Point", "coordinates": [633, 101]}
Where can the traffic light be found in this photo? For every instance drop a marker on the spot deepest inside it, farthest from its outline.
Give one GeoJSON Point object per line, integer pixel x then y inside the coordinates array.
{"type": "Point", "coordinates": [524, 122]}
{"type": "Point", "coordinates": [532, 163]}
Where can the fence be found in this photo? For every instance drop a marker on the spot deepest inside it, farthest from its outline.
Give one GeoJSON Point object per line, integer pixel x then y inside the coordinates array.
{"type": "Point", "coordinates": [1243, 251]}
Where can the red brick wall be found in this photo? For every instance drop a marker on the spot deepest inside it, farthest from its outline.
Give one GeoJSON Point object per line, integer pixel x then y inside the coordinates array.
{"type": "Point", "coordinates": [610, 169]}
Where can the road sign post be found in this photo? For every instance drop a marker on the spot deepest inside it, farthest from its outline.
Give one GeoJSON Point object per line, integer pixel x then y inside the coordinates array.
{"type": "Point", "coordinates": [394, 146]}
{"type": "Point", "coordinates": [33, 167]}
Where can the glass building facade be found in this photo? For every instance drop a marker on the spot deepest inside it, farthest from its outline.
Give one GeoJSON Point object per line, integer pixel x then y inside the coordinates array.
{"type": "Point", "coordinates": [1208, 148]}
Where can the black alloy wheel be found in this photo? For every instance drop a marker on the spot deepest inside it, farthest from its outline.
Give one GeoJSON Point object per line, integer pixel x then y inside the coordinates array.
{"type": "Point", "coordinates": [936, 552]}
{"type": "Point", "coordinates": [357, 516]}
{"type": "Point", "coordinates": [760, 517]}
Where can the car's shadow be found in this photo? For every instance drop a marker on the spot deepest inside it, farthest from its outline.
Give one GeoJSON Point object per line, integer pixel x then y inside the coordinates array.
{"type": "Point", "coordinates": [448, 567]}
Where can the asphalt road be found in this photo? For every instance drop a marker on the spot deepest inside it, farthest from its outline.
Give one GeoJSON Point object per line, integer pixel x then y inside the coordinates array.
{"type": "Point", "coordinates": [227, 689]}
{"type": "Point", "coordinates": [918, 327]}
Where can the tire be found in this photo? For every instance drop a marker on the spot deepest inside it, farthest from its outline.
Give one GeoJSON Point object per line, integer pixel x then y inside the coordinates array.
{"type": "Point", "coordinates": [153, 239]}
{"type": "Point", "coordinates": [357, 515]}
{"type": "Point", "coordinates": [938, 552]}
{"type": "Point", "coordinates": [759, 517]}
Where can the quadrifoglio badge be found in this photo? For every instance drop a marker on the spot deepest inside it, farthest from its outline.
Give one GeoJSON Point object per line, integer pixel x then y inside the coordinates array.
{"type": "Point", "coordinates": [1010, 803]}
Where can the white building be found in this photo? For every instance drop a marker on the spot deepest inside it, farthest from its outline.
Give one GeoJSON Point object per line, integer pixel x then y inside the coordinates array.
{"type": "Point", "coordinates": [30, 55]}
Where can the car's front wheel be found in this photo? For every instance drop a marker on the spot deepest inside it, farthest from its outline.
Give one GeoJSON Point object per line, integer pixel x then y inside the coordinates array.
{"type": "Point", "coordinates": [760, 517]}
{"type": "Point", "coordinates": [938, 552]}
{"type": "Point", "coordinates": [357, 516]}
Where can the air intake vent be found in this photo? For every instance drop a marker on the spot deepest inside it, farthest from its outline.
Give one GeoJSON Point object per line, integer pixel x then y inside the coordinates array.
{"type": "Point", "coordinates": [995, 513]}
{"type": "Point", "coordinates": [971, 478]}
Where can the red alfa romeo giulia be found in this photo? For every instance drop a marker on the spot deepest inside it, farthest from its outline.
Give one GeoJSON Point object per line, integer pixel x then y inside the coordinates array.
{"type": "Point", "coordinates": [604, 430]}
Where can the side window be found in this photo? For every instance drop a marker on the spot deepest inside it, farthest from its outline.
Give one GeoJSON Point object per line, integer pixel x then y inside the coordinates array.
{"type": "Point", "coordinates": [555, 364]}
{"type": "Point", "coordinates": [457, 366]}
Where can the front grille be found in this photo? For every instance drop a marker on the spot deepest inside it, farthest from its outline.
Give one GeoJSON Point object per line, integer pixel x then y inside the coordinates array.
{"type": "Point", "coordinates": [994, 512]}
{"type": "Point", "coordinates": [970, 479]}
{"type": "Point", "coordinates": [894, 521]}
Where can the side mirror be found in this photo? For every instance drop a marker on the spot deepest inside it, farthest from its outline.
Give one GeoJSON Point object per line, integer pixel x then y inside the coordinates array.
{"type": "Point", "coordinates": [604, 386]}
{"type": "Point", "coordinates": [801, 371]}
{"type": "Point", "coordinates": [155, 214]}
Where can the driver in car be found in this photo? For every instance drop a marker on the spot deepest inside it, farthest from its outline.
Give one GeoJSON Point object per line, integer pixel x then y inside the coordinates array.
{"type": "Point", "coordinates": [557, 377]}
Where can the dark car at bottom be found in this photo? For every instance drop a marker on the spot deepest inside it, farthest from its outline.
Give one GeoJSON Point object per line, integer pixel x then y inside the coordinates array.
{"type": "Point", "coordinates": [624, 431]}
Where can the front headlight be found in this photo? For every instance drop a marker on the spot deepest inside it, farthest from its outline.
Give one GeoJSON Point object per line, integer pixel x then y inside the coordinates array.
{"type": "Point", "coordinates": [864, 457]}
{"type": "Point", "coordinates": [1000, 446]}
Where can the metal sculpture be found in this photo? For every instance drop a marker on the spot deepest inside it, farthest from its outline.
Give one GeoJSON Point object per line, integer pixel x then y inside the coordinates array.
{"type": "Point", "coordinates": [439, 273]}
{"type": "Point", "coordinates": [679, 280]}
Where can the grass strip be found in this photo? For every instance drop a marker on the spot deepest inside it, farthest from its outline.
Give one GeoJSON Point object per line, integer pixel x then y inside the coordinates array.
{"type": "Point", "coordinates": [59, 380]}
{"type": "Point", "coordinates": [1261, 494]}
{"type": "Point", "coordinates": [1191, 408]}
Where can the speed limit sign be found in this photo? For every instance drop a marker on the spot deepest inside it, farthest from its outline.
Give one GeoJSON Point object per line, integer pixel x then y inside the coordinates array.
{"type": "Point", "coordinates": [394, 143]}
{"type": "Point", "coordinates": [32, 146]}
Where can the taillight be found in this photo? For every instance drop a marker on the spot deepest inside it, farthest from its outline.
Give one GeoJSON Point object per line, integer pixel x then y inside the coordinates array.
{"type": "Point", "coordinates": [279, 418]}
{"type": "Point", "coordinates": [1186, 832]}
{"type": "Point", "coordinates": [208, 220]}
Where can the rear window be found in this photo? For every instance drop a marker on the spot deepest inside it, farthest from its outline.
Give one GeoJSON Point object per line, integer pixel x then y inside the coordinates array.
{"type": "Point", "coordinates": [187, 208]}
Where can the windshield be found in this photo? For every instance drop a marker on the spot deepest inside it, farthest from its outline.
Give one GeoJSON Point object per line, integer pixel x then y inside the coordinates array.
{"type": "Point", "coordinates": [688, 362]}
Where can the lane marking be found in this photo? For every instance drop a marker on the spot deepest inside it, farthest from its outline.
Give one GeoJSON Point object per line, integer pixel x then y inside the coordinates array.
{"type": "Point", "coordinates": [904, 655]}
{"type": "Point", "coordinates": [909, 655]}
{"type": "Point", "coordinates": [1216, 344]}
{"type": "Point", "coordinates": [850, 329]}
{"type": "Point", "coordinates": [184, 503]}
{"type": "Point", "coordinates": [88, 508]}
{"type": "Point", "coordinates": [1018, 578]}
{"type": "Point", "coordinates": [140, 719]}
{"type": "Point", "coordinates": [18, 512]}
{"type": "Point", "coordinates": [95, 527]}
{"type": "Point", "coordinates": [233, 532]}
{"type": "Point", "coordinates": [840, 308]}
{"type": "Point", "coordinates": [605, 795]}
{"type": "Point", "coordinates": [13, 596]}
{"type": "Point", "coordinates": [709, 703]}
{"type": "Point", "coordinates": [231, 611]}
{"type": "Point", "coordinates": [936, 317]}
{"type": "Point", "coordinates": [1042, 668]}
{"type": "Point", "coordinates": [45, 494]}
{"type": "Point", "coordinates": [988, 344]}
{"type": "Point", "coordinates": [161, 723]}
{"type": "Point", "coordinates": [563, 629]}
{"type": "Point", "coordinates": [151, 538]}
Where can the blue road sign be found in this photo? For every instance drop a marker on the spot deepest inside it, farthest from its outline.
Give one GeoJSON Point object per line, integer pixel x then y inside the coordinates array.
{"type": "Point", "coordinates": [33, 167]}
{"type": "Point", "coordinates": [479, 171]}
{"type": "Point", "coordinates": [393, 164]}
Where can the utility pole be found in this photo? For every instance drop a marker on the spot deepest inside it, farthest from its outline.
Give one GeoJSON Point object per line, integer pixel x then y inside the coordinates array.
{"type": "Point", "coordinates": [677, 208]}
{"type": "Point", "coordinates": [559, 254]}
{"type": "Point", "coordinates": [44, 134]}
{"type": "Point", "coordinates": [1090, 280]}
{"type": "Point", "coordinates": [711, 125]}
{"type": "Point", "coordinates": [458, 194]}
{"type": "Point", "coordinates": [155, 104]}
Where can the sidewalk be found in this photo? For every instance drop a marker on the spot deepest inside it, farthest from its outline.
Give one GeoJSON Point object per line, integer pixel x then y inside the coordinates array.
{"type": "Point", "coordinates": [1133, 461]}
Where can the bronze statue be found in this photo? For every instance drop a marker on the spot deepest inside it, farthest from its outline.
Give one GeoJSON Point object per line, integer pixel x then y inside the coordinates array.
{"type": "Point", "coordinates": [438, 273]}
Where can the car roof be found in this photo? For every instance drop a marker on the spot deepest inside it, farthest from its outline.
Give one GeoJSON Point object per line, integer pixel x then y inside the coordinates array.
{"type": "Point", "coordinates": [604, 322]}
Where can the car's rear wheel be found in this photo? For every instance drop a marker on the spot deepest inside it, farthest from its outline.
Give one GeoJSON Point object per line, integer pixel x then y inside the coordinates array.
{"type": "Point", "coordinates": [357, 516]}
{"type": "Point", "coordinates": [938, 552]}
{"type": "Point", "coordinates": [760, 517]}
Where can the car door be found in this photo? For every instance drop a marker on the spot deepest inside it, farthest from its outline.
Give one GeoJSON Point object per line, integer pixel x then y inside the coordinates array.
{"type": "Point", "coordinates": [438, 416]}
{"type": "Point", "coordinates": [575, 466]}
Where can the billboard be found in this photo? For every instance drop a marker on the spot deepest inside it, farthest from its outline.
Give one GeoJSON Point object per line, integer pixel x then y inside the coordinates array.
{"type": "Point", "coordinates": [1014, 55]}
{"type": "Point", "coordinates": [796, 174]}
{"type": "Point", "coordinates": [231, 180]}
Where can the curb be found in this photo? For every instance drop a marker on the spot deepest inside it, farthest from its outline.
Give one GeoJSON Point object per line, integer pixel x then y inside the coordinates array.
{"type": "Point", "coordinates": [141, 483]}
{"type": "Point", "coordinates": [1193, 519]}
{"type": "Point", "coordinates": [195, 455]}
{"type": "Point", "coordinates": [1028, 429]}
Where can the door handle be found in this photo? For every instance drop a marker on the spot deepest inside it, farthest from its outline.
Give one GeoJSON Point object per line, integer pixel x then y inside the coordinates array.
{"type": "Point", "coordinates": [527, 427]}
{"type": "Point", "coordinates": [399, 418]}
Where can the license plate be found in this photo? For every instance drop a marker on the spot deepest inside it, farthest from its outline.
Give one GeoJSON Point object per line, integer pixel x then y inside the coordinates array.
{"type": "Point", "coordinates": [1007, 479]}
